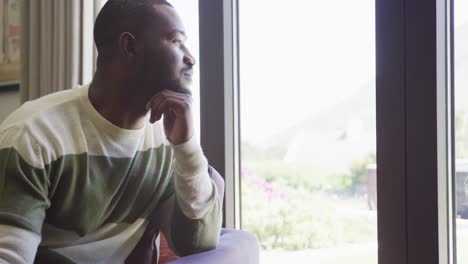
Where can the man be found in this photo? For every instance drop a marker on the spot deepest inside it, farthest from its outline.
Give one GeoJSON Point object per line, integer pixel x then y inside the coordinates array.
{"type": "Point", "coordinates": [92, 174]}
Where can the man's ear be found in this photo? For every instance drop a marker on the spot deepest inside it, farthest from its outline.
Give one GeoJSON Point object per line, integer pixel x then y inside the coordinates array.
{"type": "Point", "coordinates": [128, 46]}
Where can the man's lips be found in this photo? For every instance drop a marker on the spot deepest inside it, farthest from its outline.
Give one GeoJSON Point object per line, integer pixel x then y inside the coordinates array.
{"type": "Point", "coordinates": [188, 73]}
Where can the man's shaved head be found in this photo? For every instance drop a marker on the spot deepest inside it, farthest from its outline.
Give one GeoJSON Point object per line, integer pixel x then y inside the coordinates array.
{"type": "Point", "coordinates": [118, 16]}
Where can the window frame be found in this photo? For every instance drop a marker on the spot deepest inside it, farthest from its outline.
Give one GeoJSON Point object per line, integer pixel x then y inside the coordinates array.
{"type": "Point", "coordinates": [219, 104]}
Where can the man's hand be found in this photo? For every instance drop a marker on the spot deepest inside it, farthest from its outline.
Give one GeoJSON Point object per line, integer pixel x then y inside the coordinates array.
{"type": "Point", "coordinates": [177, 111]}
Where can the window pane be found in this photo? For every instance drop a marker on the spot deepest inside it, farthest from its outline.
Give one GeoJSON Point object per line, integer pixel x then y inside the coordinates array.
{"type": "Point", "coordinates": [307, 100]}
{"type": "Point", "coordinates": [461, 126]}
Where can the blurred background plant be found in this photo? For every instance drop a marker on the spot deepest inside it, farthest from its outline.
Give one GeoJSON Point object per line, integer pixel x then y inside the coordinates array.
{"type": "Point", "coordinates": [294, 205]}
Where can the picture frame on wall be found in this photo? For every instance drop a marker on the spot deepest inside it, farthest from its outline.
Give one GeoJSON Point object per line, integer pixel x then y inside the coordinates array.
{"type": "Point", "coordinates": [10, 44]}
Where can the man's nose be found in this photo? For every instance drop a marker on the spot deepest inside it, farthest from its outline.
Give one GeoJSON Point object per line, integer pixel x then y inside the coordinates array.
{"type": "Point", "coordinates": [189, 59]}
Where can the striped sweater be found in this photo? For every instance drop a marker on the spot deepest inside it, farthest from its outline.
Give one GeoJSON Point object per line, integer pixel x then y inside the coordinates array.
{"type": "Point", "coordinates": [74, 188]}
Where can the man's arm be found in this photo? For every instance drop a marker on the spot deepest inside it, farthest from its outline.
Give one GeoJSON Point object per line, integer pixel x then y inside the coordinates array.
{"type": "Point", "coordinates": [191, 218]}
{"type": "Point", "coordinates": [193, 187]}
{"type": "Point", "coordinates": [23, 196]}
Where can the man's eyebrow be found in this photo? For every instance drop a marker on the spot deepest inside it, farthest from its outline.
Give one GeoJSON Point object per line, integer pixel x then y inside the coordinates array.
{"type": "Point", "coordinates": [180, 32]}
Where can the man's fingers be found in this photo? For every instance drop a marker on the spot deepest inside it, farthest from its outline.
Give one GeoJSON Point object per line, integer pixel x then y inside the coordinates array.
{"type": "Point", "coordinates": [156, 100]}
{"type": "Point", "coordinates": [166, 101]}
{"type": "Point", "coordinates": [175, 105]}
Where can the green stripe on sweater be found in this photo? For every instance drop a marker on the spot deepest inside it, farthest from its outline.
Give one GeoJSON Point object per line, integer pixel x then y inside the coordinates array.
{"type": "Point", "coordinates": [81, 192]}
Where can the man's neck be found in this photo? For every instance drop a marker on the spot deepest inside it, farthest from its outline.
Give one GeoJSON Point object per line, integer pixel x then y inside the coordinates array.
{"type": "Point", "coordinates": [117, 102]}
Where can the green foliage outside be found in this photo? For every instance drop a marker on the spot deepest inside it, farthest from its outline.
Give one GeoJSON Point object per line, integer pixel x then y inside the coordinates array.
{"type": "Point", "coordinates": [302, 175]}
{"type": "Point", "coordinates": [302, 220]}
{"type": "Point", "coordinates": [295, 206]}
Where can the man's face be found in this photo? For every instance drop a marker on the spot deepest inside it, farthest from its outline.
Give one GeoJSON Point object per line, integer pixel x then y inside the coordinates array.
{"type": "Point", "coordinates": [168, 63]}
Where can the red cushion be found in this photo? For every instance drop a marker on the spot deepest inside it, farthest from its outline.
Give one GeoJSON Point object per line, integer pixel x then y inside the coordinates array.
{"type": "Point", "coordinates": [166, 254]}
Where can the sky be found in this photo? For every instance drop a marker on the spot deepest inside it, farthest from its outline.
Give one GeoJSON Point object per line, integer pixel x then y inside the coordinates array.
{"type": "Point", "coordinates": [301, 57]}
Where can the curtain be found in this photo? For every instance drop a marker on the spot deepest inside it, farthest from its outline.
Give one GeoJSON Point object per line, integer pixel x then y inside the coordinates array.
{"type": "Point", "coordinates": [57, 45]}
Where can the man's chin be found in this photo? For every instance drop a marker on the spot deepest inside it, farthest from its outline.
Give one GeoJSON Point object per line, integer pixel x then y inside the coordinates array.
{"type": "Point", "coordinates": [184, 90]}
{"type": "Point", "coordinates": [180, 86]}
{"type": "Point", "coordinates": [181, 89]}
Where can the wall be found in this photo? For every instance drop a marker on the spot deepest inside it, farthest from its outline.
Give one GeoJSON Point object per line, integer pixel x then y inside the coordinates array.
{"type": "Point", "coordinates": [9, 101]}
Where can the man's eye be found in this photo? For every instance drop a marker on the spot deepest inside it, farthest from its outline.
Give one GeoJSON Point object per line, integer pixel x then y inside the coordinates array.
{"type": "Point", "coordinates": [178, 41]}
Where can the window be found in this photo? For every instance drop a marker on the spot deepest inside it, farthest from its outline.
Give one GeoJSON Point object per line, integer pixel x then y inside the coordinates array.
{"type": "Point", "coordinates": [413, 117]}
{"type": "Point", "coordinates": [307, 130]}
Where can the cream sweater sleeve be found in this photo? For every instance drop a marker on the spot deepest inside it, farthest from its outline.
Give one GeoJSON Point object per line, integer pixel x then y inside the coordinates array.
{"type": "Point", "coordinates": [193, 186]}
{"type": "Point", "coordinates": [17, 245]}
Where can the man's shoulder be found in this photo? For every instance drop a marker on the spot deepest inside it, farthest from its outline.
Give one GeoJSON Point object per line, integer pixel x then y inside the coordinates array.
{"type": "Point", "coordinates": [51, 108]}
